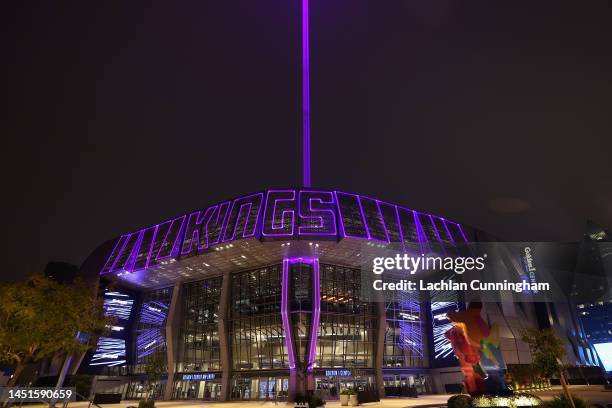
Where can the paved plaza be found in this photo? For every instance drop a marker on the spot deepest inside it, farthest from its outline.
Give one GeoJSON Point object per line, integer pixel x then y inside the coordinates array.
{"type": "Point", "coordinates": [594, 394]}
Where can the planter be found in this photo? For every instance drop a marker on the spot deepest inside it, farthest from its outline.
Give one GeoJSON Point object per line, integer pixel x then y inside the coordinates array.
{"type": "Point", "coordinates": [353, 400]}
{"type": "Point", "coordinates": [344, 400]}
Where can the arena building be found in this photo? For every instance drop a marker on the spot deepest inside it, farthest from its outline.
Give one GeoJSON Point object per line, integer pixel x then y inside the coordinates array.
{"type": "Point", "coordinates": [260, 297]}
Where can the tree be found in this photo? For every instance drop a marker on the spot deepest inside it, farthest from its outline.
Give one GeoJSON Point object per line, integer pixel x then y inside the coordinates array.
{"type": "Point", "coordinates": [40, 317]}
{"type": "Point", "coordinates": [547, 350]}
{"type": "Point", "coordinates": [154, 367]}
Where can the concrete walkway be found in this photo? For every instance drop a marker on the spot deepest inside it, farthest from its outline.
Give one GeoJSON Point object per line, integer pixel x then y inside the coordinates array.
{"type": "Point", "coordinates": [437, 400]}
{"type": "Point", "coordinates": [595, 394]}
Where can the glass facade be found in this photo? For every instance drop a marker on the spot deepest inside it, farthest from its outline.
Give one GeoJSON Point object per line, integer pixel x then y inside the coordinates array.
{"type": "Point", "coordinates": [259, 361]}
{"type": "Point", "coordinates": [199, 336]}
{"type": "Point", "coordinates": [347, 328]}
{"type": "Point", "coordinates": [283, 309]}
{"type": "Point", "coordinates": [151, 327]}
{"type": "Point", "coordinates": [300, 308]}
{"type": "Point", "coordinates": [403, 333]}
{"type": "Point", "coordinates": [256, 334]}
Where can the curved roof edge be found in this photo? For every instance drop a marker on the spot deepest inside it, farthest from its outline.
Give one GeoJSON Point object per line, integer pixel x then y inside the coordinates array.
{"type": "Point", "coordinates": [279, 214]}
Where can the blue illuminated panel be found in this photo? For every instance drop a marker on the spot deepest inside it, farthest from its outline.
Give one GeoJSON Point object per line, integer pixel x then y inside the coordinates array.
{"type": "Point", "coordinates": [442, 302]}
{"type": "Point", "coordinates": [150, 337]}
{"type": "Point", "coordinates": [118, 305]}
{"type": "Point", "coordinates": [409, 310]}
{"type": "Point", "coordinates": [604, 350]}
{"type": "Point", "coordinates": [111, 350]}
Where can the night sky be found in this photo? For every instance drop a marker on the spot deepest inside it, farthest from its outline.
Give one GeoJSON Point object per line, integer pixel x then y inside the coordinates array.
{"type": "Point", "coordinates": [122, 114]}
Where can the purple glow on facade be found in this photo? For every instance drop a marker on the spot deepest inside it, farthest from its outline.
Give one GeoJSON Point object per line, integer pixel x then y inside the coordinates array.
{"type": "Point", "coordinates": [171, 244]}
{"type": "Point", "coordinates": [194, 225]}
{"type": "Point", "coordinates": [316, 307]}
{"type": "Point", "coordinates": [146, 248]}
{"type": "Point", "coordinates": [450, 236]}
{"type": "Point", "coordinates": [148, 341]}
{"type": "Point", "coordinates": [399, 227]}
{"type": "Point", "coordinates": [153, 315]}
{"type": "Point", "coordinates": [276, 198]}
{"type": "Point", "coordinates": [316, 313]}
{"type": "Point", "coordinates": [291, 213]}
{"type": "Point", "coordinates": [423, 239]}
{"type": "Point", "coordinates": [215, 232]}
{"type": "Point", "coordinates": [348, 217]}
{"type": "Point", "coordinates": [126, 252]}
{"type": "Point", "coordinates": [462, 232]}
{"type": "Point", "coordinates": [285, 315]}
{"type": "Point", "coordinates": [131, 259]}
{"type": "Point", "coordinates": [454, 232]}
{"type": "Point", "coordinates": [108, 266]}
{"type": "Point", "coordinates": [250, 203]}
{"type": "Point", "coordinates": [191, 232]}
{"type": "Point", "coordinates": [410, 336]}
{"type": "Point", "coordinates": [318, 202]}
{"type": "Point", "coordinates": [306, 93]}
{"type": "Point", "coordinates": [433, 224]}
{"type": "Point", "coordinates": [203, 242]}
{"type": "Point", "coordinates": [374, 221]}
{"type": "Point", "coordinates": [382, 220]}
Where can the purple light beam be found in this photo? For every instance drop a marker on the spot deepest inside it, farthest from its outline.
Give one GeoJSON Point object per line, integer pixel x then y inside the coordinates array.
{"type": "Point", "coordinates": [305, 95]}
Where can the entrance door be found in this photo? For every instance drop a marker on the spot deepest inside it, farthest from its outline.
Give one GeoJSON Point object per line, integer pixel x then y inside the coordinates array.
{"type": "Point", "coordinates": [260, 388]}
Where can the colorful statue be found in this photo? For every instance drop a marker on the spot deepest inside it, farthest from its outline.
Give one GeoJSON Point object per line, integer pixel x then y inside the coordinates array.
{"type": "Point", "coordinates": [476, 345]}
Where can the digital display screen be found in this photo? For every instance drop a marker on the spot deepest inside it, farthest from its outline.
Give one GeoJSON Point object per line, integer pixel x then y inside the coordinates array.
{"type": "Point", "coordinates": [604, 350]}
{"type": "Point", "coordinates": [111, 350]}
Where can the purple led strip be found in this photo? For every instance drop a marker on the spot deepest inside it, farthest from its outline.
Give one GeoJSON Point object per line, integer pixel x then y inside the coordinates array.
{"type": "Point", "coordinates": [437, 234]}
{"type": "Point", "coordinates": [114, 256]}
{"type": "Point", "coordinates": [382, 220]}
{"type": "Point", "coordinates": [450, 236]}
{"type": "Point", "coordinates": [343, 233]}
{"type": "Point", "coordinates": [176, 244]}
{"type": "Point", "coordinates": [289, 213]}
{"type": "Point", "coordinates": [316, 313]}
{"type": "Point", "coordinates": [305, 94]}
{"type": "Point", "coordinates": [399, 227]}
{"type": "Point", "coordinates": [246, 204]}
{"type": "Point", "coordinates": [316, 309]}
{"type": "Point", "coordinates": [465, 238]}
{"type": "Point", "coordinates": [423, 240]}
{"type": "Point", "coordinates": [417, 226]}
{"type": "Point", "coordinates": [285, 314]}
{"type": "Point", "coordinates": [311, 201]}
{"type": "Point", "coordinates": [462, 233]}
{"type": "Point", "coordinates": [312, 213]}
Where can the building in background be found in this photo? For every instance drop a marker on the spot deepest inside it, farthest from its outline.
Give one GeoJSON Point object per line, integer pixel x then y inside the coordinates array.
{"type": "Point", "coordinates": [261, 296]}
{"type": "Point", "coordinates": [592, 290]}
